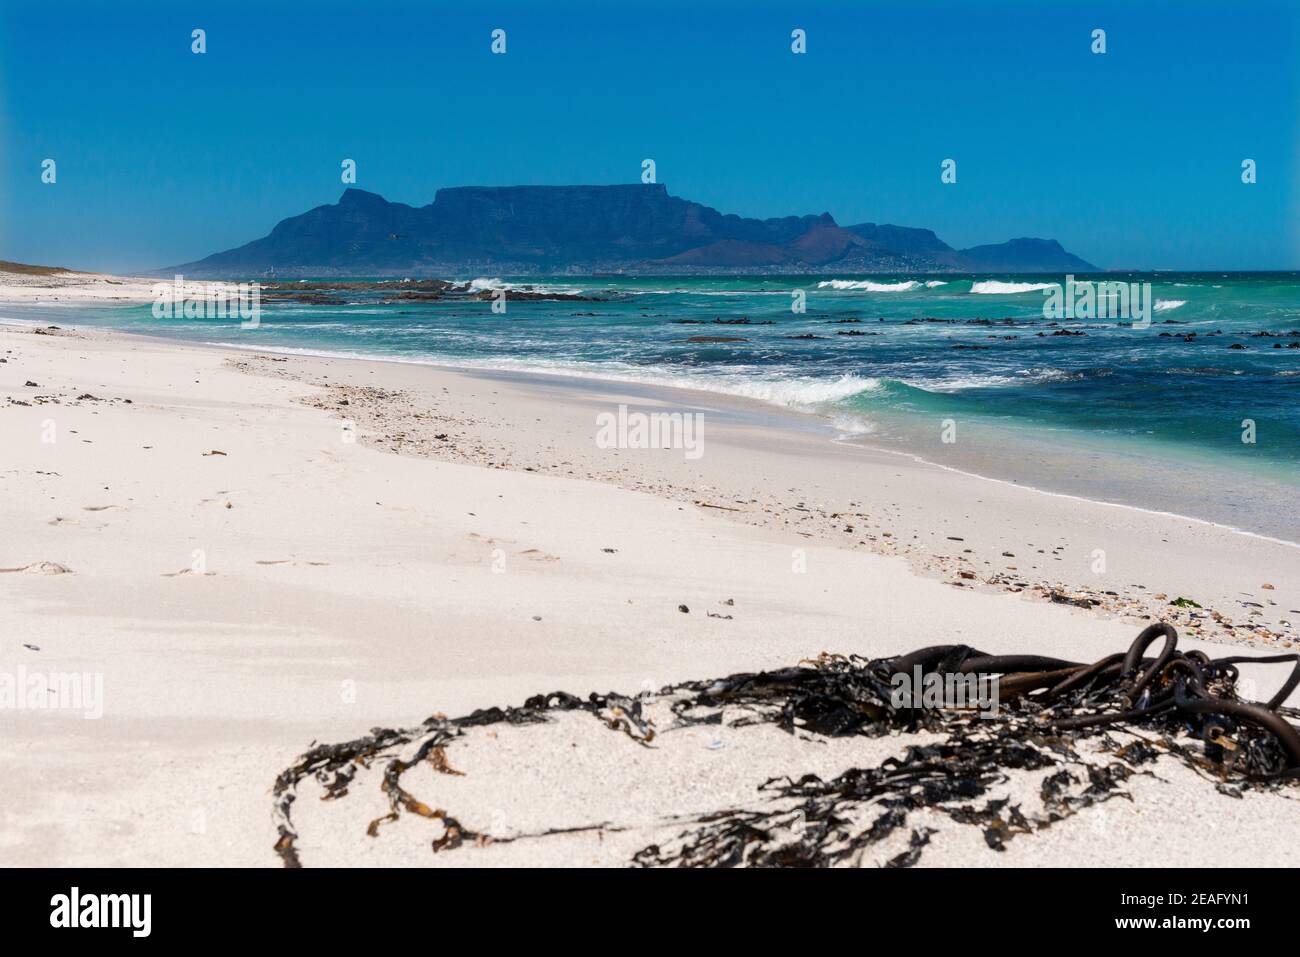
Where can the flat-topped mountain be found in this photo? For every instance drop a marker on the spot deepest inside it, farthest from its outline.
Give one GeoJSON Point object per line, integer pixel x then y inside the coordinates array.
{"type": "Point", "coordinates": [636, 228]}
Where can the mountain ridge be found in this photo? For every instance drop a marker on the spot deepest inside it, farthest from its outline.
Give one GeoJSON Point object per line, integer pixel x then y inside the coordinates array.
{"type": "Point", "coordinates": [635, 228]}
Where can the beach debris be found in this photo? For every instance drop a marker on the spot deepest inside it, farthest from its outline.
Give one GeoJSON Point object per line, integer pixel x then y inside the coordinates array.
{"type": "Point", "coordinates": [537, 555]}
{"type": "Point", "coordinates": [335, 766]}
{"type": "Point", "coordinates": [40, 568]}
{"type": "Point", "coordinates": [31, 647]}
{"type": "Point", "coordinates": [31, 385]}
{"type": "Point", "coordinates": [1086, 728]}
{"type": "Point", "coordinates": [1079, 601]}
{"type": "Point", "coordinates": [1184, 603]}
{"type": "Point", "coordinates": [920, 838]}
{"type": "Point", "coordinates": [438, 758]}
{"type": "Point", "coordinates": [213, 452]}
{"type": "Point", "coordinates": [683, 609]}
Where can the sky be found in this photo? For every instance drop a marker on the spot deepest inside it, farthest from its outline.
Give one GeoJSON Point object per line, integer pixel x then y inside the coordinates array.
{"type": "Point", "coordinates": [1131, 158]}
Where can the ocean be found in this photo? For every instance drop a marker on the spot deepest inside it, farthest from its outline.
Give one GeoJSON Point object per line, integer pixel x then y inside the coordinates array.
{"type": "Point", "coordinates": [1197, 413]}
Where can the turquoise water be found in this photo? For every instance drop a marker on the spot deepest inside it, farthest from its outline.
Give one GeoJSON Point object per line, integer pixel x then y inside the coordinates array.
{"type": "Point", "coordinates": [974, 349]}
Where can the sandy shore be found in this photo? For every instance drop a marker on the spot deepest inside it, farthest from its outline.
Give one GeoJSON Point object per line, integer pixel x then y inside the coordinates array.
{"type": "Point", "coordinates": [42, 285]}
{"type": "Point", "coordinates": [230, 541]}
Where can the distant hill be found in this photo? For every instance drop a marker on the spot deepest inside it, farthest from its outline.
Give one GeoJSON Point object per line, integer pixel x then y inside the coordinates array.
{"type": "Point", "coordinates": [636, 228]}
{"type": "Point", "coordinates": [26, 269]}
{"type": "Point", "coordinates": [1023, 255]}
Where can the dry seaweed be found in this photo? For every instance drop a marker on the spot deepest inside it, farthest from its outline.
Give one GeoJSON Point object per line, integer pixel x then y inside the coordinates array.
{"type": "Point", "coordinates": [1054, 714]}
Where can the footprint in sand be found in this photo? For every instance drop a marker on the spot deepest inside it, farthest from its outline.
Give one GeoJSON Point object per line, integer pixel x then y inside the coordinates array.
{"type": "Point", "coordinates": [186, 571]}
{"type": "Point", "coordinates": [100, 508]}
{"type": "Point", "coordinates": [40, 568]}
{"type": "Point", "coordinates": [287, 561]}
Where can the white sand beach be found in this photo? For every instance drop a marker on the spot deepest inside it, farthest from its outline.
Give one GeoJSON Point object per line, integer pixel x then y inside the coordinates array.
{"type": "Point", "coordinates": [258, 552]}
{"type": "Point", "coordinates": [37, 285]}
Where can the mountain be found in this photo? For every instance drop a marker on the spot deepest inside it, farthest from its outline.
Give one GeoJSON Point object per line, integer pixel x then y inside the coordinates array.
{"type": "Point", "coordinates": [903, 240]}
{"type": "Point", "coordinates": [1024, 255]}
{"type": "Point", "coordinates": [636, 228]}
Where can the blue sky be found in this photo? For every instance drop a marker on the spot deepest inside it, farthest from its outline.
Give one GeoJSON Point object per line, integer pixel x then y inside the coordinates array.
{"type": "Point", "coordinates": [1132, 159]}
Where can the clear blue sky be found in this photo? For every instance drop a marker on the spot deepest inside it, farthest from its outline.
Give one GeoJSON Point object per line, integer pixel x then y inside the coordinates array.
{"type": "Point", "coordinates": [1131, 159]}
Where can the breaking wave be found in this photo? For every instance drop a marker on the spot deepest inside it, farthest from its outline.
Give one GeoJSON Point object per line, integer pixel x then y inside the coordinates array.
{"type": "Point", "coordinates": [992, 287]}
{"type": "Point", "coordinates": [866, 285]}
{"type": "Point", "coordinates": [492, 284]}
{"type": "Point", "coordinates": [959, 383]}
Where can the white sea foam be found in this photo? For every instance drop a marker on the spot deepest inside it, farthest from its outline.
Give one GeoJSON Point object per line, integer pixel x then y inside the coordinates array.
{"type": "Point", "coordinates": [1164, 305]}
{"type": "Point", "coordinates": [992, 287]}
{"type": "Point", "coordinates": [798, 393]}
{"type": "Point", "coordinates": [492, 284]}
{"type": "Point", "coordinates": [960, 383]}
{"type": "Point", "coordinates": [935, 284]}
{"type": "Point", "coordinates": [1040, 374]}
{"type": "Point", "coordinates": [848, 425]}
{"type": "Point", "coordinates": [801, 393]}
{"type": "Point", "coordinates": [866, 285]}
{"type": "Point", "coordinates": [729, 293]}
